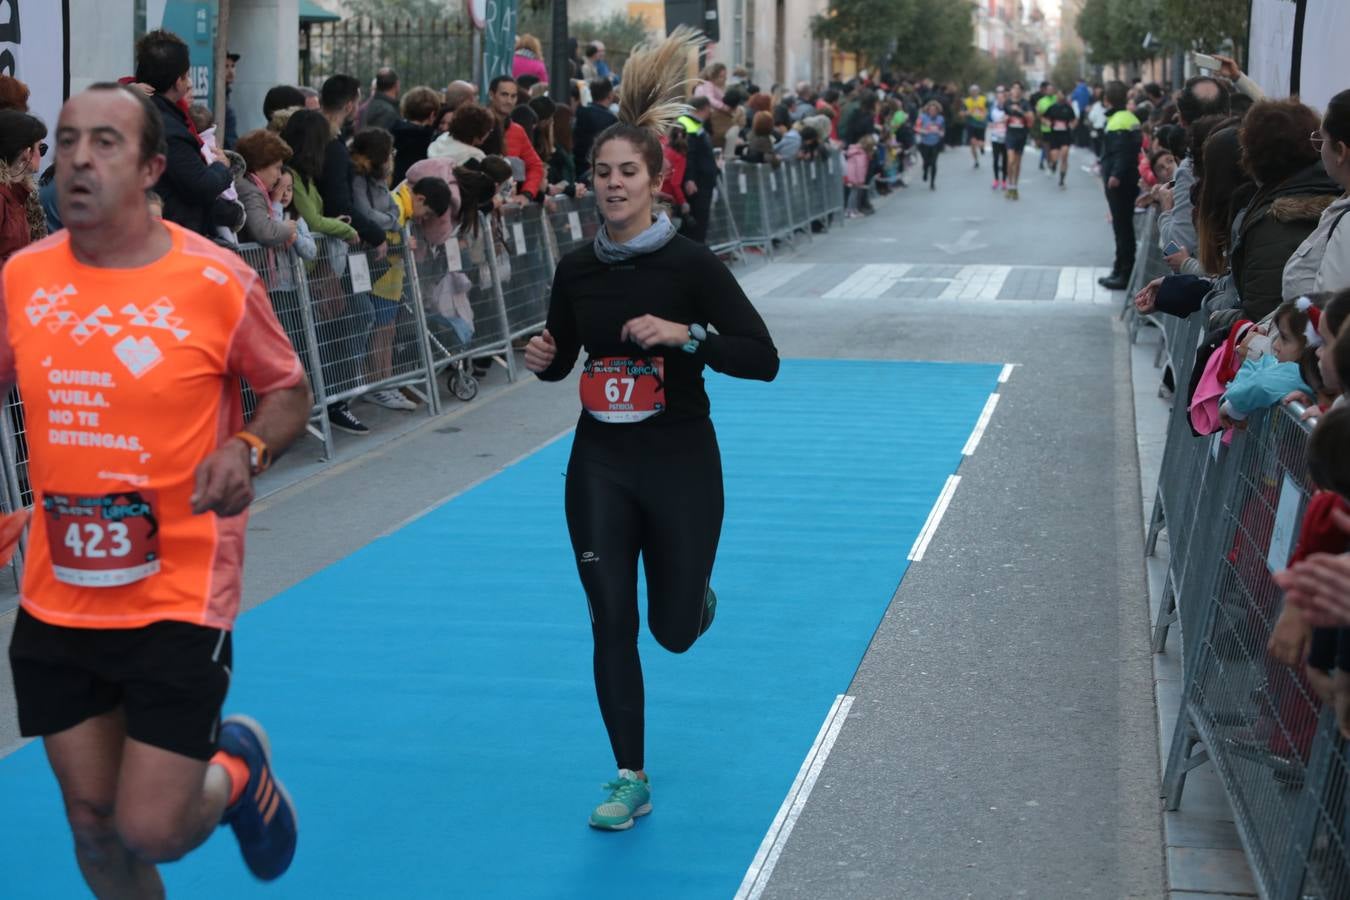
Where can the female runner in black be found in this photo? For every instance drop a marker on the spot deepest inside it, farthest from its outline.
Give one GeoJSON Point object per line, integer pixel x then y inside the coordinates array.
{"type": "Point", "coordinates": [651, 308]}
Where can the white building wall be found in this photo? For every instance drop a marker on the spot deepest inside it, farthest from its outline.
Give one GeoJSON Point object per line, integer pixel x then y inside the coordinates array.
{"type": "Point", "coordinates": [101, 38]}
{"type": "Point", "coordinates": [267, 35]}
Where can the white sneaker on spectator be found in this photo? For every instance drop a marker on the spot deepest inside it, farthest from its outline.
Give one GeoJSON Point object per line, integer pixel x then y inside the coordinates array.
{"type": "Point", "coordinates": [391, 399]}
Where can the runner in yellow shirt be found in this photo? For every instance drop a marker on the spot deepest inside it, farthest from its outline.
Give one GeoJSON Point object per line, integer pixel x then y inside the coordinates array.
{"type": "Point", "coordinates": [977, 119]}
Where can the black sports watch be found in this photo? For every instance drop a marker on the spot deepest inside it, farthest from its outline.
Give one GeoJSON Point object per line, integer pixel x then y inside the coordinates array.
{"type": "Point", "coordinates": [697, 335]}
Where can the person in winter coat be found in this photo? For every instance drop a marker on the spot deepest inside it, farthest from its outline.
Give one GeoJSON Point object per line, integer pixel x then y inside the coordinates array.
{"type": "Point", "coordinates": [189, 187]}
{"type": "Point", "coordinates": [1322, 261]}
{"type": "Point", "coordinates": [22, 220]}
{"type": "Point", "coordinates": [529, 58]}
{"type": "Point", "coordinates": [382, 111]}
{"type": "Point", "coordinates": [265, 155]}
{"type": "Point", "coordinates": [1293, 189]}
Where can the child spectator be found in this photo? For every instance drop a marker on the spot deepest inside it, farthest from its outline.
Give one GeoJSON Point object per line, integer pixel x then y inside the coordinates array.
{"type": "Point", "coordinates": [1263, 381]}
{"type": "Point", "coordinates": [372, 154]}
{"type": "Point", "coordinates": [856, 159]}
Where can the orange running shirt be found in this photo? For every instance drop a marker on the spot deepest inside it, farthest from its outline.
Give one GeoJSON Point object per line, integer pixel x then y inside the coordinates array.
{"type": "Point", "coordinates": [130, 379]}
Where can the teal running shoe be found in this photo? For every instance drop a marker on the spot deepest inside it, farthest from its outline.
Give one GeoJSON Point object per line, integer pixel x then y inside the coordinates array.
{"type": "Point", "coordinates": [629, 797]}
{"type": "Point", "coordinates": [709, 610]}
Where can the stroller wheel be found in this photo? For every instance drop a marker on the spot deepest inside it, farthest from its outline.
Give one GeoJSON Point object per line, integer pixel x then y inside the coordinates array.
{"type": "Point", "coordinates": [463, 385]}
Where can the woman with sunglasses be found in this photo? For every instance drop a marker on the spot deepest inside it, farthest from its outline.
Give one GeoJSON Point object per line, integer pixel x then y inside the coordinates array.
{"type": "Point", "coordinates": [22, 220]}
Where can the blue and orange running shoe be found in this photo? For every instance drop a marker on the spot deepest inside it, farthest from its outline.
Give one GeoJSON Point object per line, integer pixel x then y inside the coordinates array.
{"type": "Point", "coordinates": [263, 818]}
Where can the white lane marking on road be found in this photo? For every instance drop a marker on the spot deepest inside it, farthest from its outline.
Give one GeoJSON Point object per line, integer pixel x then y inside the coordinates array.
{"type": "Point", "coordinates": [1006, 373]}
{"type": "Point", "coordinates": [770, 278]}
{"type": "Point", "coordinates": [980, 425]}
{"type": "Point", "coordinates": [771, 848]}
{"type": "Point", "coordinates": [869, 282]}
{"type": "Point", "coordinates": [1068, 284]}
{"type": "Point", "coordinates": [934, 518]}
{"type": "Point", "coordinates": [976, 283]}
{"type": "Point", "coordinates": [1102, 295]}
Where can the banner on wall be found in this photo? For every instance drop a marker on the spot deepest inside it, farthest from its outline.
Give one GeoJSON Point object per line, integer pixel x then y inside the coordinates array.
{"type": "Point", "coordinates": [1295, 48]}
{"type": "Point", "coordinates": [1270, 51]}
{"type": "Point", "coordinates": [34, 45]}
{"type": "Point", "coordinates": [1324, 70]}
{"type": "Point", "coordinates": [499, 41]}
{"type": "Point", "coordinates": [195, 22]}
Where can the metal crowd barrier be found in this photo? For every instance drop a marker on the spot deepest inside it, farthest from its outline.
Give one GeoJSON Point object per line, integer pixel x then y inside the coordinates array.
{"type": "Point", "coordinates": [1277, 752]}
{"type": "Point", "coordinates": [1148, 265]}
{"type": "Point", "coordinates": [363, 321]}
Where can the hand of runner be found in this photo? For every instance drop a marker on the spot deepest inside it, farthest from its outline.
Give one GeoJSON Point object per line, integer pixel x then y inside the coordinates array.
{"type": "Point", "coordinates": [649, 331]}
{"type": "Point", "coordinates": [11, 529]}
{"type": "Point", "coordinates": [224, 481]}
{"type": "Point", "coordinates": [539, 352]}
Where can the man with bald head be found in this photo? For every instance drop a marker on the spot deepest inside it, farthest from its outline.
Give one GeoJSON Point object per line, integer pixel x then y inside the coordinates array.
{"type": "Point", "coordinates": [1203, 96]}
{"type": "Point", "coordinates": [459, 93]}
{"type": "Point", "coordinates": [122, 649]}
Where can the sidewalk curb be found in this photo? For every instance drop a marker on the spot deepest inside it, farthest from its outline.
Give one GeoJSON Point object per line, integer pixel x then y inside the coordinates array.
{"type": "Point", "coordinates": [1204, 856]}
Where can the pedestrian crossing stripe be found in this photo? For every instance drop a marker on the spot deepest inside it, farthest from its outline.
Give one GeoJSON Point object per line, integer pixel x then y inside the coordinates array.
{"type": "Point", "coordinates": [873, 281]}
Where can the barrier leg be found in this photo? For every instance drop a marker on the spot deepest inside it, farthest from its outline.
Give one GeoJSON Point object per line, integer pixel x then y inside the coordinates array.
{"type": "Point", "coordinates": [324, 430]}
{"type": "Point", "coordinates": [412, 280]}
{"type": "Point", "coordinates": [1156, 522]}
{"type": "Point", "coordinates": [1167, 616]}
{"type": "Point", "coordinates": [1181, 758]}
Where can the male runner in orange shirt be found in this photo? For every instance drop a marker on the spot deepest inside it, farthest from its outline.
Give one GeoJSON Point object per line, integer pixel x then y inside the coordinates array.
{"type": "Point", "coordinates": [127, 338]}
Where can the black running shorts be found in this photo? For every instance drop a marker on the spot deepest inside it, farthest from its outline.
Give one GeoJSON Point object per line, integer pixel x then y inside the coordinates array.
{"type": "Point", "coordinates": [1017, 140]}
{"type": "Point", "coordinates": [974, 132]}
{"type": "Point", "coordinates": [1059, 139]}
{"type": "Point", "coordinates": [170, 679]}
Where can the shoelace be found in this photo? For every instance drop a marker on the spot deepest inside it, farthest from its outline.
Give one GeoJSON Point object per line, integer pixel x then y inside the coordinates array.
{"type": "Point", "coordinates": [621, 790]}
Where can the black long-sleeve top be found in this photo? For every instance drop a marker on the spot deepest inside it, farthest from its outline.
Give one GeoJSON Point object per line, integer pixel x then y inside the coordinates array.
{"type": "Point", "coordinates": [682, 282]}
{"type": "Point", "coordinates": [335, 187]}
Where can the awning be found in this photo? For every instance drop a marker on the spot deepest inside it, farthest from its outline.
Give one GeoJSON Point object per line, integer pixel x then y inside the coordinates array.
{"type": "Point", "coordinates": [313, 12]}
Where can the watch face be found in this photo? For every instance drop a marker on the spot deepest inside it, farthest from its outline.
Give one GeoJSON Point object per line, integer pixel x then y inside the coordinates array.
{"type": "Point", "coordinates": [697, 332]}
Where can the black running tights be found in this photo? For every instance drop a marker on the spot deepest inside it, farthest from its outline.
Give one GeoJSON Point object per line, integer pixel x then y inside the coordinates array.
{"type": "Point", "coordinates": [930, 152]}
{"type": "Point", "coordinates": [653, 491]}
{"type": "Point", "coordinates": [1000, 160]}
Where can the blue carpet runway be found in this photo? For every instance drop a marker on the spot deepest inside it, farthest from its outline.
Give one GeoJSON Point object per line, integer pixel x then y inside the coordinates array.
{"type": "Point", "coordinates": [430, 698]}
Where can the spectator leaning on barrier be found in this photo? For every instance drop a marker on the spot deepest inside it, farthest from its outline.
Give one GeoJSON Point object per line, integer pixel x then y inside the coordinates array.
{"type": "Point", "coordinates": [265, 155]}
{"type": "Point", "coordinates": [1120, 172]}
{"type": "Point", "coordinates": [515, 142]}
{"type": "Point", "coordinates": [338, 100]}
{"type": "Point", "coordinates": [189, 187]}
{"type": "Point", "coordinates": [22, 220]}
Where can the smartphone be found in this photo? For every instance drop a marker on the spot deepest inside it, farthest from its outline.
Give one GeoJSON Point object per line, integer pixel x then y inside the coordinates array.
{"type": "Point", "coordinates": [1205, 62]}
{"type": "Point", "coordinates": [1172, 247]}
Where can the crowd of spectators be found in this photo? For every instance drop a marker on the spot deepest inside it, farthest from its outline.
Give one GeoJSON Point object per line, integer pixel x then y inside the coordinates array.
{"type": "Point", "coordinates": [1249, 193]}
